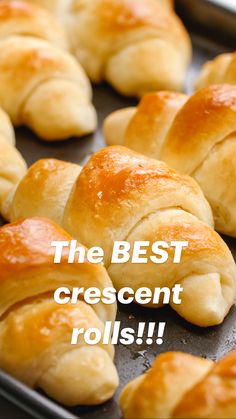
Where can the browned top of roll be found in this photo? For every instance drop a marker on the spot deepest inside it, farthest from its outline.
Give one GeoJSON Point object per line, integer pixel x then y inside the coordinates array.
{"type": "Point", "coordinates": [207, 118]}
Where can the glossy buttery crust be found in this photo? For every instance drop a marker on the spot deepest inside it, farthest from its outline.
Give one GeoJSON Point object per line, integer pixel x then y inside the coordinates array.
{"type": "Point", "coordinates": [183, 386]}
{"type": "Point", "coordinates": [41, 85]}
{"type": "Point", "coordinates": [220, 70]}
{"type": "Point", "coordinates": [35, 332]}
{"type": "Point", "coordinates": [121, 195]}
{"type": "Point", "coordinates": [119, 40]}
{"type": "Point", "coordinates": [195, 136]}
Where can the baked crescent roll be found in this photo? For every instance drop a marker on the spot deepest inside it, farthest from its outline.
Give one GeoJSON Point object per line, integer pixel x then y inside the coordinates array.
{"type": "Point", "coordinates": [135, 45]}
{"type": "Point", "coordinates": [12, 164]}
{"type": "Point", "coordinates": [40, 329]}
{"type": "Point", "coordinates": [121, 195]}
{"type": "Point", "coordinates": [19, 18]}
{"type": "Point", "coordinates": [183, 386]}
{"type": "Point", "coordinates": [144, 128]}
{"type": "Point", "coordinates": [220, 70]}
{"type": "Point", "coordinates": [216, 391]}
{"type": "Point", "coordinates": [155, 394]}
{"type": "Point", "coordinates": [195, 136]}
{"type": "Point", "coordinates": [41, 86]}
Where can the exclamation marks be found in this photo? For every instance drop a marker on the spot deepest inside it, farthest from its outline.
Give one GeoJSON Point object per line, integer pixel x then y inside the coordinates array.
{"type": "Point", "coordinates": [150, 333]}
{"type": "Point", "coordinates": [160, 334]}
{"type": "Point", "coordinates": [141, 328]}
{"type": "Point", "coordinates": [151, 329]}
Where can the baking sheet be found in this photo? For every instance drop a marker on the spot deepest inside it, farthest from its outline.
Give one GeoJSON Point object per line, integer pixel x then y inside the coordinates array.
{"type": "Point", "coordinates": [179, 335]}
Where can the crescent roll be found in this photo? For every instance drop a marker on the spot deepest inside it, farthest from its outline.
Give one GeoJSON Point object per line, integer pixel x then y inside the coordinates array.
{"type": "Point", "coordinates": [195, 136]}
{"type": "Point", "coordinates": [220, 70]}
{"type": "Point", "coordinates": [183, 386]}
{"type": "Point", "coordinates": [41, 86]}
{"type": "Point", "coordinates": [40, 329]}
{"type": "Point", "coordinates": [135, 45]}
{"type": "Point", "coordinates": [19, 18]}
{"type": "Point", "coordinates": [121, 195]}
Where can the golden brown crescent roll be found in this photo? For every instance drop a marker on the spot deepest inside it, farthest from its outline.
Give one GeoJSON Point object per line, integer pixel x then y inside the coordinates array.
{"type": "Point", "coordinates": [144, 128]}
{"type": "Point", "coordinates": [220, 70]}
{"type": "Point", "coordinates": [40, 329]}
{"type": "Point", "coordinates": [41, 85]}
{"type": "Point", "coordinates": [12, 164]}
{"type": "Point", "coordinates": [195, 136]}
{"type": "Point", "coordinates": [183, 386]}
{"type": "Point", "coordinates": [19, 18]}
{"type": "Point", "coordinates": [216, 393]}
{"type": "Point", "coordinates": [121, 195]}
{"type": "Point", "coordinates": [136, 45]}
{"type": "Point", "coordinates": [155, 394]}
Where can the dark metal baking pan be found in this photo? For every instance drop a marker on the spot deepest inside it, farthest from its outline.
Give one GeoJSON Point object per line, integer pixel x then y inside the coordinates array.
{"type": "Point", "coordinates": [216, 18]}
{"type": "Point", "coordinates": [33, 403]}
{"type": "Point", "coordinates": [179, 335]}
